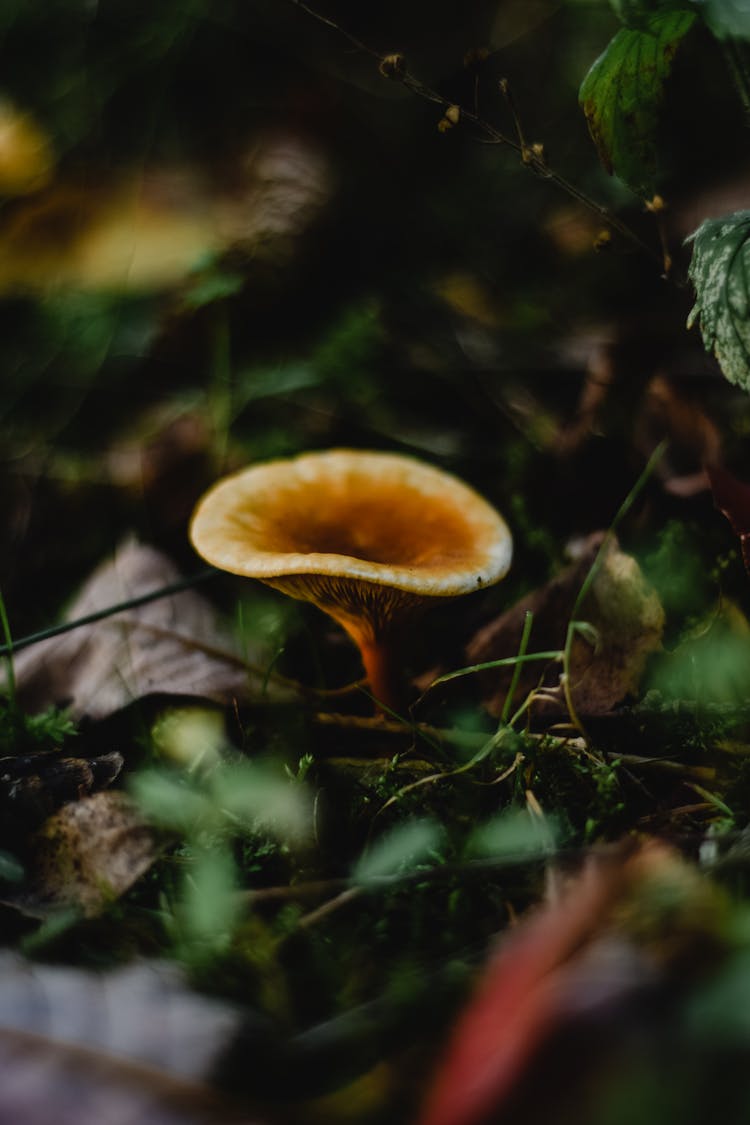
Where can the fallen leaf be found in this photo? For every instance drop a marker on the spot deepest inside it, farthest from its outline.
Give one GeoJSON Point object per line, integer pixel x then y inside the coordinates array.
{"type": "Point", "coordinates": [171, 645]}
{"type": "Point", "coordinates": [42, 1082]}
{"type": "Point", "coordinates": [732, 498]}
{"type": "Point", "coordinates": [282, 183]}
{"type": "Point", "coordinates": [142, 1012]}
{"type": "Point", "coordinates": [623, 610]}
{"type": "Point", "coordinates": [33, 786]}
{"type": "Point", "coordinates": [514, 1005]}
{"type": "Point", "coordinates": [86, 855]}
{"type": "Point", "coordinates": [694, 438]}
{"type": "Point", "coordinates": [625, 926]}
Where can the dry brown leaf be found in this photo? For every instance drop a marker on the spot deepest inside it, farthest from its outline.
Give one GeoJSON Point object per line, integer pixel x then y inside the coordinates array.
{"type": "Point", "coordinates": [282, 183]}
{"type": "Point", "coordinates": [43, 1082]}
{"type": "Point", "coordinates": [621, 606]}
{"type": "Point", "coordinates": [33, 786]}
{"type": "Point", "coordinates": [143, 1012]}
{"type": "Point", "coordinates": [86, 855]}
{"type": "Point", "coordinates": [694, 438]}
{"type": "Point", "coordinates": [171, 645]}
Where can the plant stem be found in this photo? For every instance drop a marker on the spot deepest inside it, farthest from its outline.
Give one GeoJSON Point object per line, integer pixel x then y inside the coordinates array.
{"type": "Point", "coordinates": [467, 740]}
{"type": "Point", "coordinates": [527, 623]}
{"type": "Point", "coordinates": [531, 158]}
{"type": "Point", "coordinates": [7, 652]}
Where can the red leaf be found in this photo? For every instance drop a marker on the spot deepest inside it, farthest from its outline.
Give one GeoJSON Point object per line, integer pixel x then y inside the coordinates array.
{"type": "Point", "coordinates": [732, 498]}
{"type": "Point", "coordinates": [518, 1002]}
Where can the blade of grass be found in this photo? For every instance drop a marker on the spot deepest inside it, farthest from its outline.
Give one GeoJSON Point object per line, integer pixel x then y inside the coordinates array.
{"type": "Point", "coordinates": [527, 623]}
{"type": "Point", "coordinates": [7, 652]}
{"type": "Point", "coordinates": [505, 662]}
{"type": "Point", "coordinates": [101, 614]}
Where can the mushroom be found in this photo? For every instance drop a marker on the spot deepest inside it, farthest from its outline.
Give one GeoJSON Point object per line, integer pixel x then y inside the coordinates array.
{"type": "Point", "coordinates": [370, 538]}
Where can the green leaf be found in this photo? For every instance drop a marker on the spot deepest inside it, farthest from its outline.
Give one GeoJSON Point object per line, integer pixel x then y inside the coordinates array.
{"type": "Point", "coordinates": [622, 93]}
{"type": "Point", "coordinates": [719, 1011]}
{"type": "Point", "coordinates": [11, 871]}
{"type": "Point", "coordinates": [726, 18]}
{"type": "Point", "coordinates": [170, 802]}
{"type": "Point", "coordinates": [401, 849]}
{"type": "Point", "coordinates": [257, 799]}
{"type": "Point", "coordinates": [209, 902]}
{"type": "Point", "coordinates": [719, 271]}
{"type": "Point", "coordinates": [513, 835]}
{"type": "Point", "coordinates": [215, 284]}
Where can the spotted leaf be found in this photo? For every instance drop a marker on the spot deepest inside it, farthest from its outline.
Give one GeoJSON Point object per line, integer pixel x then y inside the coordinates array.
{"type": "Point", "coordinates": [719, 271]}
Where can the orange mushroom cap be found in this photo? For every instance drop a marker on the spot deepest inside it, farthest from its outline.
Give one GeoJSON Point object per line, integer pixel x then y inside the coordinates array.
{"type": "Point", "coordinates": [368, 537]}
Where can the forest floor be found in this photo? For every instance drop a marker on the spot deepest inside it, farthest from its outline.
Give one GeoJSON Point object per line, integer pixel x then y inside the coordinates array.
{"type": "Point", "coordinates": [232, 886]}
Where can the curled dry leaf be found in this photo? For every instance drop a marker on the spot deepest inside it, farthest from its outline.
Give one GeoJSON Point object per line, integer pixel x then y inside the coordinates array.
{"type": "Point", "coordinates": [694, 438]}
{"type": "Point", "coordinates": [86, 855]}
{"type": "Point", "coordinates": [33, 786]}
{"type": "Point", "coordinates": [622, 608]}
{"type": "Point", "coordinates": [171, 645]}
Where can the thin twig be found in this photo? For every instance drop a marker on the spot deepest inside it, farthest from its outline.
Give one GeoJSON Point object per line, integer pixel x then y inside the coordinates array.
{"type": "Point", "coordinates": [321, 912]}
{"type": "Point", "coordinates": [532, 158]}
{"type": "Point", "coordinates": [294, 892]}
{"type": "Point", "coordinates": [469, 740]}
{"type": "Point", "coordinates": [339, 890]}
{"type": "Point", "coordinates": [663, 765]}
{"type": "Point", "coordinates": [505, 90]}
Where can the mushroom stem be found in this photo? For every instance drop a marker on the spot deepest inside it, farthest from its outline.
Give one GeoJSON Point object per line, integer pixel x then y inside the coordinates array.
{"type": "Point", "coordinates": [381, 661]}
